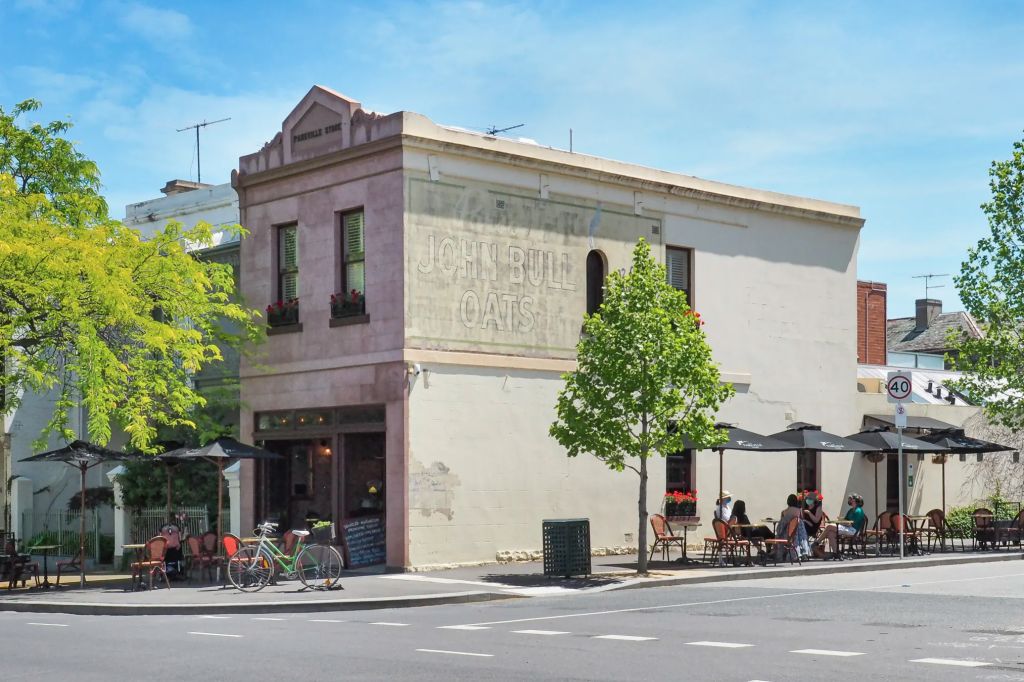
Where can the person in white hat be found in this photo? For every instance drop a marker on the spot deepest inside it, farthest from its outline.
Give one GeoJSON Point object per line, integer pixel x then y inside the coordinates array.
{"type": "Point", "coordinates": [723, 510]}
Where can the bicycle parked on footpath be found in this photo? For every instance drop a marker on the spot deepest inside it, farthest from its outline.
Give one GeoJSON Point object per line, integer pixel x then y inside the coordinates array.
{"type": "Point", "coordinates": [252, 567]}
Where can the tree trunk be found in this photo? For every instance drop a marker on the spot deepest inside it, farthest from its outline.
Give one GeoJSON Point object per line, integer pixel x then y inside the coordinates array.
{"type": "Point", "coordinates": [641, 536]}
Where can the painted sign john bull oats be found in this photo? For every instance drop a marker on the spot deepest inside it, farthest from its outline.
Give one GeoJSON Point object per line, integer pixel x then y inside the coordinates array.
{"type": "Point", "coordinates": [491, 270]}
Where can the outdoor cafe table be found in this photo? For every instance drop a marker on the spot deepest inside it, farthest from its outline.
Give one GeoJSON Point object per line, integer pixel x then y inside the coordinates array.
{"type": "Point", "coordinates": [137, 550]}
{"type": "Point", "coordinates": [45, 549]}
{"type": "Point", "coordinates": [686, 523]}
{"type": "Point", "coordinates": [751, 540]}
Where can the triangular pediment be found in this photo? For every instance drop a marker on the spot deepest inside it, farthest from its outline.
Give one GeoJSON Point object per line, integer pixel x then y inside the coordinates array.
{"type": "Point", "coordinates": [319, 124]}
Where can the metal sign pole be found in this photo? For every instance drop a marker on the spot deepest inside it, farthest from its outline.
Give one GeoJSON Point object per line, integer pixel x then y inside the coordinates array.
{"type": "Point", "coordinates": [899, 456]}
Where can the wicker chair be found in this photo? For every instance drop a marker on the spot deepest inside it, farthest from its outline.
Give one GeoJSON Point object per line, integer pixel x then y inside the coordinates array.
{"type": "Point", "coordinates": [664, 537]}
{"type": "Point", "coordinates": [155, 550]}
{"type": "Point", "coordinates": [786, 543]}
{"type": "Point", "coordinates": [197, 558]}
{"type": "Point", "coordinates": [984, 533]}
{"type": "Point", "coordinates": [879, 534]}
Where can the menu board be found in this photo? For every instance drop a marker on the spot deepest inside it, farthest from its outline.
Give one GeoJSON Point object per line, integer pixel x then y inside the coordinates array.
{"type": "Point", "coordinates": [363, 539]}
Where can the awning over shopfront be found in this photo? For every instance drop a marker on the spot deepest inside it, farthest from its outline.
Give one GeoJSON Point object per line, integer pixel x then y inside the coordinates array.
{"type": "Point", "coordinates": [913, 422]}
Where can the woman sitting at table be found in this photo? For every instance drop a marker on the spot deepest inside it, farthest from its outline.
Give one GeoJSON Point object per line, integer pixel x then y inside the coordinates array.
{"type": "Point", "coordinates": [793, 511]}
{"type": "Point", "coordinates": [814, 514]}
{"type": "Point", "coordinates": [739, 513]}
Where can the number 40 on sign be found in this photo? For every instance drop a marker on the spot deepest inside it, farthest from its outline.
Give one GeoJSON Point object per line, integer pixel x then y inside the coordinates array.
{"type": "Point", "coordinates": [899, 386]}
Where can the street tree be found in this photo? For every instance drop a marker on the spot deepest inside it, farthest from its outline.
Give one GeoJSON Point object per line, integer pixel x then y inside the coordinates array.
{"type": "Point", "coordinates": [645, 379]}
{"type": "Point", "coordinates": [991, 286]}
{"type": "Point", "coordinates": [90, 311]}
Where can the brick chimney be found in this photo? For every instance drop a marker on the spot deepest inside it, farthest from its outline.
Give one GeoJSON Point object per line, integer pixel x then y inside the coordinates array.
{"type": "Point", "coordinates": [871, 317]}
{"type": "Point", "coordinates": [927, 309]}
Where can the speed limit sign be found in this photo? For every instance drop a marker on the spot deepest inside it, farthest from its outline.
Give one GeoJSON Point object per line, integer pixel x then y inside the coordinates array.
{"type": "Point", "coordinates": [899, 386]}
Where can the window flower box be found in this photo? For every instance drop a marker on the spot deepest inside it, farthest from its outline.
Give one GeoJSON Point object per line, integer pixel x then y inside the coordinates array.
{"type": "Point", "coordinates": [678, 503]}
{"type": "Point", "coordinates": [283, 313]}
{"type": "Point", "coordinates": [348, 305]}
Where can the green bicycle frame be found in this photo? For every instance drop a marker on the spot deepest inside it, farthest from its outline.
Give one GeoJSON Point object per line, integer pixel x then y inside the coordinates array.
{"type": "Point", "coordinates": [271, 550]}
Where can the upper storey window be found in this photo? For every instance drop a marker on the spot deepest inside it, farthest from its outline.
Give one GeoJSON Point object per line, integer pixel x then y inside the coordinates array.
{"type": "Point", "coordinates": [351, 300]}
{"type": "Point", "coordinates": [679, 264]}
{"type": "Point", "coordinates": [288, 263]}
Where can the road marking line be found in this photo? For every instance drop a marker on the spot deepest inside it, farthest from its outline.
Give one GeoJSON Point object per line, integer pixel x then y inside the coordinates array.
{"type": "Point", "coordinates": [268, 619]}
{"type": "Point", "coordinates": [52, 625]}
{"type": "Point", "coordinates": [827, 652]}
{"type": "Point", "coordinates": [659, 607]}
{"type": "Point", "coordinates": [218, 617]}
{"type": "Point", "coordinates": [723, 645]}
{"type": "Point", "coordinates": [950, 661]}
{"type": "Point", "coordinates": [742, 599]}
{"type": "Point", "coordinates": [394, 625]}
{"type": "Point", "coordinates": [454, 653]}
{"type": "Point", "coordinates": [625, 638]}
{"type": "Point", "coordinates": [213, 634]}
{"type": "Point", "coordinates": [539, 632]}
{"type": "Point", "coordinates": [325, 620]}
{"type": "Point", "coordinates": [462, 627]}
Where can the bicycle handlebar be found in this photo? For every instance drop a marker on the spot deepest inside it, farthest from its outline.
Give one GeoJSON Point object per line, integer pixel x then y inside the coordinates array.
{"type": "Point", "coordinates": [265, 527]}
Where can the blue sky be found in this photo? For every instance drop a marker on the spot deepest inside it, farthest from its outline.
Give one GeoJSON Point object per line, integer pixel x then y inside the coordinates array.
{"type": "Point", "coordinates": [896, 107]}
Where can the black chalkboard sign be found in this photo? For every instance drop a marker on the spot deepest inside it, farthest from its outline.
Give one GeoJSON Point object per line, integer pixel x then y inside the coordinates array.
{"type": "Point", "coordinates": [363, 538]}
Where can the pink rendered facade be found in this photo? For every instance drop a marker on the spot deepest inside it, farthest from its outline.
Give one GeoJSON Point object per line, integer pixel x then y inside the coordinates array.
{"type": "Point", "coordinates": [320, 363]}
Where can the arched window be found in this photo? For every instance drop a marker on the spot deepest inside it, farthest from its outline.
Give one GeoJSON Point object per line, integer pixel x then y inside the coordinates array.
{"type": "Point", "coordinates": [595, 281]}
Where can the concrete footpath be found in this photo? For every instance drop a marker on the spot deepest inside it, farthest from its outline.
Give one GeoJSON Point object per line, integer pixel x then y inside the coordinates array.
{"type": "Point", "coordinates": [107, 594]}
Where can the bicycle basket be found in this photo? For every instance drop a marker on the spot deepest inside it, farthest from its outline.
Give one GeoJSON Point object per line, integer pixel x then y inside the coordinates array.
{"type": "Point", "coordinates": [323, 534]}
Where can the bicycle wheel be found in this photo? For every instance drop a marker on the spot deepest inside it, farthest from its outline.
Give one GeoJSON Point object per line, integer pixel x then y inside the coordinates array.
{"type": "Point", "coordinates": [319, 567]}
{"type": "Point", "coordinates": [249, 569]}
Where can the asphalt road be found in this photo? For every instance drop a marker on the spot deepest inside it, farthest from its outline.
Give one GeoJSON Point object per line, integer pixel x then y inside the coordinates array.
{"type": "Point", "coordinates": [948, 623]}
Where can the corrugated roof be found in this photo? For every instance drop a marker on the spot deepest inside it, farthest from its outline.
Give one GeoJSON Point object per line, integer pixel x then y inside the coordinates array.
{"type": "Point", "coordinates": [920, 379]}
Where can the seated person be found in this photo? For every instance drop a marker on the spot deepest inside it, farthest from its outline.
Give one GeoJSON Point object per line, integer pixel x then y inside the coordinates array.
{"type": "Point", "coordinates": [739, 513]}
{"type": "Point", "coordinates": [855, 514]}
{"type": "Point", "coordinates": [723, 508]}
{"type": "Point", "coordinates": [793, 511]}
{"type": "Point", "coordinates": [814, 513]}
{"type": "Point", "coordinates": [173, 556]}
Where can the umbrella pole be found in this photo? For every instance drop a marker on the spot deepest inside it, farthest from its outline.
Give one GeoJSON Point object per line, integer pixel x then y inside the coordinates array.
{"type": "Point", "coordinates": [167, 468]}
{"type": "Point", "coordinates": [876, 490]}
{"type": "Point", "coordinates": [81, 531]}
{"type": "Point", "coordinates": [220, 493]}
{"type": "Point", "coordinates": [943, 485]}
{"type": "Point", "coordinates": [721, 487]}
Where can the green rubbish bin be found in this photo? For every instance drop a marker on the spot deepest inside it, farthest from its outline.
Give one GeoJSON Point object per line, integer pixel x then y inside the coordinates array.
{"type": "Point", "coordinates": [566, 547]}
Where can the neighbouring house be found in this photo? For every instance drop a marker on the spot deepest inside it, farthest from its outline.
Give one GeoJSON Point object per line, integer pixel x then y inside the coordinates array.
{"type": "Point", "coordinates": [425, 287]}
{"type": "Point", "coordinates": [922, 340]}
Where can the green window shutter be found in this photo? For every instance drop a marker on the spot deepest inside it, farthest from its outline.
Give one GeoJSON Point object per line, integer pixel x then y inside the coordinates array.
{"type": "Point", "coordinates": [354, 243]}
{"type": "Point", "coordinates": [289, 253]}
{"type": "Point", "coordinates": [288, 263]}
{"type": "Point", "coordinates": [354, 250]}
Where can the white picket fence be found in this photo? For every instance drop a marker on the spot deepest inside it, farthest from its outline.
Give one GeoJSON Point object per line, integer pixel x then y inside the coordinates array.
{"type": "Point", "coordinates": [62, 528]}
{"type": "Point", "coordinates": [146, 523]}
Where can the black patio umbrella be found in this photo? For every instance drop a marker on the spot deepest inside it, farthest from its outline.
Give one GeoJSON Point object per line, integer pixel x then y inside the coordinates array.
{"type": "Point", "coordinates": [83, 456]}
{"type": "Point", "coordinates": [740, 439]}
{"type": "Point", "coordinates": [888, 442]}
{"type": "Point", "coordinates": [957, 442]}
{"type": "Point", "coordinates": [810, 437]}
{"type": "Point", "coordinates": [218, 451]}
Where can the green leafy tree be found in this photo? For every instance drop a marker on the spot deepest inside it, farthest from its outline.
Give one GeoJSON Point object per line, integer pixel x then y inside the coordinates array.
{"type": "Point", "coordinates": [91, 310]}
{"type": "Point", "coordinates": [991, 286]}
{"type": "Point", "coordinates": [645, 379]}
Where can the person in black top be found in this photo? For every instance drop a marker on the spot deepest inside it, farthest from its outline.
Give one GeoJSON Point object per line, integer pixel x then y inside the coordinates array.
{"type": "Point", "coordinates": [739, 512]}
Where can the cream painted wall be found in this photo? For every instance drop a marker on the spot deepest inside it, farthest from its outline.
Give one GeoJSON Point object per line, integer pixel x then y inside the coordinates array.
{"type": "Point", "coordinates": [777, 291]}
{"type": "Point", "coordinates": [483, 472]}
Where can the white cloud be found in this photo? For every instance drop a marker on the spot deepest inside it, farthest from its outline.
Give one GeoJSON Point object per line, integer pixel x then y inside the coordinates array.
{"type": "Point", "coordinates": [157, 25]}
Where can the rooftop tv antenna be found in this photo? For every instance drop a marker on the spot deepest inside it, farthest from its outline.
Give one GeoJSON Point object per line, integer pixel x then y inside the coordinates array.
{"type": "Point", "coordinates": [494, 130]}
{"type": "Point", "coordinates": [197, 126]}
{"type": "Point", "coordinates": [927, 282]}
